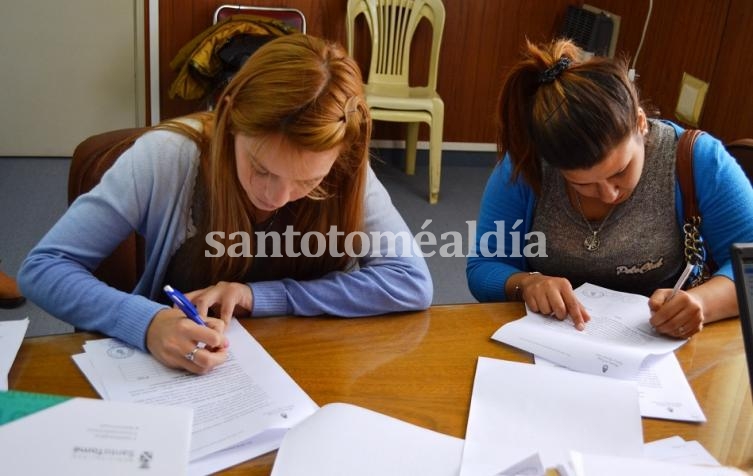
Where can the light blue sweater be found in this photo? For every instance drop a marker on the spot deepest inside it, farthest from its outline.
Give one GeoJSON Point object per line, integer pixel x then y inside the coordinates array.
{"type": "Point", "coordinates": [150, 189]}
{"type": "Point", "coordinates": [723, 193]}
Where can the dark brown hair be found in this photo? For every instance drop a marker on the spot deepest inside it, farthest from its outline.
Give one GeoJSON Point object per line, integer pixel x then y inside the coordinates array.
{"type": "Point", "coordinates": [571, 116]}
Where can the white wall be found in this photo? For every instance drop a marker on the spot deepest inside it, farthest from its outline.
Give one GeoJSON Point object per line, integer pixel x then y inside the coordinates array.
{"type": "Point", "coordinates": [69, 69]}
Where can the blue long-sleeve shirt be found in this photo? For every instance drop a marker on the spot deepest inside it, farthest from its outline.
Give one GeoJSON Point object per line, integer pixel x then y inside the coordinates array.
{"type": "Point", "coordinates": [723, 194]}
{"type": "Point", "coordinates": [150, 189]}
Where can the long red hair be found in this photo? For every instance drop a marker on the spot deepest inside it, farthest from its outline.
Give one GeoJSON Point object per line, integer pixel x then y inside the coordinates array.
{"type": "Point", "coordinates": [311, 92]}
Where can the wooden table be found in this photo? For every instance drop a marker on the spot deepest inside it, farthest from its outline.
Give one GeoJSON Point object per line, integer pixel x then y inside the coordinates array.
{"type": "Point", "coordinates": [419, 367]}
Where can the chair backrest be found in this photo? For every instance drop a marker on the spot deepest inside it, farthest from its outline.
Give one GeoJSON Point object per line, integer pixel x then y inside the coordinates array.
{"type": "Point", "coordinates": [91, 159]}
{"type": "Point", "coordinates": [742, 150]}
{"type": "Point", "coordinates": [392, 24]}
{"type": "Point", "coordinates": [290, 16]}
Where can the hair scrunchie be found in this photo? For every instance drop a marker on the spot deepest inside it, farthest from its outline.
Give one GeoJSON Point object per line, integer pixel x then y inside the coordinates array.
{"type": "Point", "coordinates": [550, 74]}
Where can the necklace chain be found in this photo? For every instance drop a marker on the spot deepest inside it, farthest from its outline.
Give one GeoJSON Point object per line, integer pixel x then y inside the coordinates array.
{"type": "Point", "coordinates": [591, 243]}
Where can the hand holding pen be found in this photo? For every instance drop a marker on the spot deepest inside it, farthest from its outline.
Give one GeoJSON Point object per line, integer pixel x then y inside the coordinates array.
{"type": "Point", "coordinates": [180, 338]}
{"type": "Point", "coordinates": [184, 304]}
{"type": "Point", "coordinates": [674, 313]}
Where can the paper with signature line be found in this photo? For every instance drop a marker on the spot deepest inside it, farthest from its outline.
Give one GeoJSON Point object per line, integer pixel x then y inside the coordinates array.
{"type": "Point", "coordinates": [236, 402]}
{"type": "Point", "coordinates": [615, 342]}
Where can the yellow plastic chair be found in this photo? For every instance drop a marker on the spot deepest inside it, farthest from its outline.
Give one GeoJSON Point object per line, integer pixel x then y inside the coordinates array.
{"type": "Point", "coordinates": [392, 24]}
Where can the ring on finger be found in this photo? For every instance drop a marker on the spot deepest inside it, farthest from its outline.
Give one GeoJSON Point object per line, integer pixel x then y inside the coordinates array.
{"type": "Point", "coordinates": [190, 356]}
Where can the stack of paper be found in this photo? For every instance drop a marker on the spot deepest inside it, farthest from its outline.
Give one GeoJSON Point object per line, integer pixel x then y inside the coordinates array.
{"type": "Point", "coordinates": [342, 439]}
{"type": "Point", "coordinates": [677, 450]}
{"type": "Point", "coordinates": [598, 465]}
{"type": "Point", "coordinates": [11, 335]}
{"type": "Point", "coordinates": [241, 408]}
{"type": "Point", "coordinates": [45, 434]}
{"type": "Point", "coordinates": [618, 342]}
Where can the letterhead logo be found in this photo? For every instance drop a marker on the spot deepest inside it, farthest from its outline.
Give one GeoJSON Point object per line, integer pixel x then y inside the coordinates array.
{"type": "Point", "coordinates": [145, 458]}
{"type": "Point", "coordinates": [114, 455]}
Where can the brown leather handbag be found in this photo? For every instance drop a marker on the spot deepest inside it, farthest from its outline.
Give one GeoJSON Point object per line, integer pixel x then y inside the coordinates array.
{"type": "Point", "coordinates": [696, 250]}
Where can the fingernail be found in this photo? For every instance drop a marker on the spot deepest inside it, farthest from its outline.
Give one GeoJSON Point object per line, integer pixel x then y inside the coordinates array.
{"type": "Point", "coordinates": [580, 326]}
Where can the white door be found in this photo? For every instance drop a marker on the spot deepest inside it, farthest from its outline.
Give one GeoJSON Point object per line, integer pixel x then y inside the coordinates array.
{"type": "Point", "coordinates": [70, 69]}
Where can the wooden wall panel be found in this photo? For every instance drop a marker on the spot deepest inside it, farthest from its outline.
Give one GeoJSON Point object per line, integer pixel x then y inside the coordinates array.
{"type": "Point", "coordinates": [483, 38]}
{"type": "Point", "coordinates": [684, 37]}
{"type": "Point", "coordinates": [728, 111]}
{"type": "Point", "coordinates": [680, 37]}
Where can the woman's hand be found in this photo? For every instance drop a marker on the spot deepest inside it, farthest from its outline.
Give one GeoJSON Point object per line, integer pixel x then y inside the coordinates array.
{"type": "Point", "coordinates": [172, 337]}
{"type": "Point", "coordinates": [225, 299]}
{"type": "Point", "coordinates": [680, 316]}
{"type": "Point", "coordinates": [553, 296]}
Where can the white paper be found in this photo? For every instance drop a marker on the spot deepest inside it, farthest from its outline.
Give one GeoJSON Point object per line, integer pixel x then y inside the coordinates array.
{"type": "Point", "coordinates": [346, 440]}
{"type": "Point", "coordinates": [88, 436]}
{"type": "Point", "coordinates": [519, 409]}
{"type": "Point", "coordinates": [11, 335]}
{"type": "Point", "coordinates": [531, 466]}
{"type": "Point", "coordinates": [677, 450]}
{"type": "Point", "coordinates": [258, 445]}
{"type": "Point", "coordinates": [614, 343]}
{"type": "Point", "coordinates": [663, 390]}
{"type": "Point", "coordinates": [598, 465]}
{"type": "Point", "coordinates": [235, 402]}
{"type": "Point", "coordinates": [86, 367]}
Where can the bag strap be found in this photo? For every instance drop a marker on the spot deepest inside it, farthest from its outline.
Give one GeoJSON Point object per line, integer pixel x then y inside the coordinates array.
{"type": "Point", "coordinates": [684, 165]}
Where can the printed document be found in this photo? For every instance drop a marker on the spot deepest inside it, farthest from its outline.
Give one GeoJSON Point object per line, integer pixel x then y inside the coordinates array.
{"type": "Point", "coordinates": [345, 440]}
{"type": "Point", "coordinates": [63, 435]}
{"type": "Point", "coordinates": [663, 390]}
{"type": "Point", "coordinates": [11, 335]}
{"type": "Point", "coordinates": [676, 450]}
{"type": "Point", "coordinates": [234, 404]}
{"type": "Point", "coordinates": [615, 342]}
{"type": "Point", "coordinates": [597, 465]}
{"type": "Point", "coordinates": [521, 409]}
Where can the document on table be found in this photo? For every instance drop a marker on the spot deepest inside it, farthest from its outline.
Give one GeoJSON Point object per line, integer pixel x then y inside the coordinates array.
{"type": "Point", "coordinates": [676, 450]}
{"type": "Point", "coordinates": [11, 335]}
{"type": "Point", "coordinates": [50, 434]}
{"type": "Point", "coordinates": [597, 465]}
{"type": "Point", "coordinates": [344, 440]}
{"type": "Point", "coordinates": [520, 409]}
{"type": "Point", "coordinates": [615, 342]}
{"type": "Point", "coordinates": [663, 390]}
{"type": "Point", "coordinates": [235, 405]}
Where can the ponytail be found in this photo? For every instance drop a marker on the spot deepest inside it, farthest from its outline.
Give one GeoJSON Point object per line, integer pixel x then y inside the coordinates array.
{"type": "Point", "coordinates": [558, 107]}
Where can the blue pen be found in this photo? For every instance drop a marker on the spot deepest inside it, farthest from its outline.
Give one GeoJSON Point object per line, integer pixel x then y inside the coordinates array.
{"type": "Point", "coordinates": [184, 304]}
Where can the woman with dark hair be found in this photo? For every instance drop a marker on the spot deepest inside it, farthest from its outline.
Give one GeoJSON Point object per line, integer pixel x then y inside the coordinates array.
{"type": "Point", "coordinates": [263, 207]}
{"type": "Point", "coordinates": [591, 177]}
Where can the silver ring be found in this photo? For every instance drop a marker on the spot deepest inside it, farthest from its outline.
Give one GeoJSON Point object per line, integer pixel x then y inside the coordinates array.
{"type": "Point", "coordinates": [190, 356]}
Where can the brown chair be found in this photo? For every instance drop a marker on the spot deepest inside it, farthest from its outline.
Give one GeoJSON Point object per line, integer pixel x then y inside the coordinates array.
{"type": "Point", "coordinates": [290, 16]}
{"type": "Point", "coordinates": [742, 150]}
{"type": "Point", "coordinates": [91, 159]}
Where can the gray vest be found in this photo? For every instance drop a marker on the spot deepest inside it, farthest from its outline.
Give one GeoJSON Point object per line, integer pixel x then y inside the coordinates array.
{"type": "Point", "coordinates": [641, 242]}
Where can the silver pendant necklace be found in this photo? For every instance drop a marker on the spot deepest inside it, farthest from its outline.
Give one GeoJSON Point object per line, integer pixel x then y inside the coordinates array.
{"type": "Point", "coordinates": [592, 242]}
